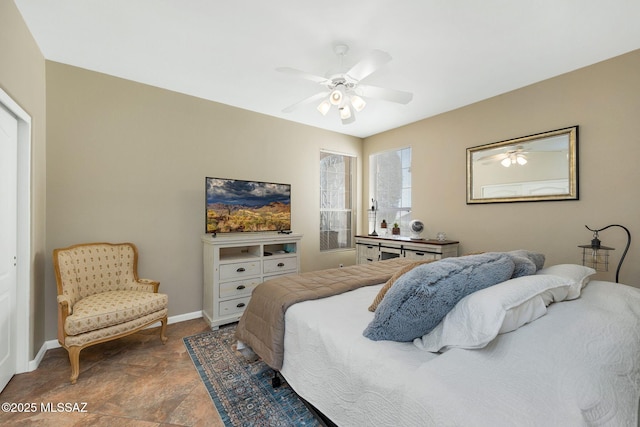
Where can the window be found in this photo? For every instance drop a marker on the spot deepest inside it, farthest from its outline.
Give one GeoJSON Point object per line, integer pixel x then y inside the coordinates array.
{"type": "Point", "coordinates": [337, 173]}
{"type": "Point", "coordinates": [390, 187]}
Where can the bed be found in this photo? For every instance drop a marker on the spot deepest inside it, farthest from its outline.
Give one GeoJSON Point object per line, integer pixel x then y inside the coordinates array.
{"type": "Point", "coordinates": [572, 361]}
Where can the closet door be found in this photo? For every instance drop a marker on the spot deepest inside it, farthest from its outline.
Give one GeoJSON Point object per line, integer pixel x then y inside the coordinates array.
{"type": "Point", "coordinates": [8, 243]}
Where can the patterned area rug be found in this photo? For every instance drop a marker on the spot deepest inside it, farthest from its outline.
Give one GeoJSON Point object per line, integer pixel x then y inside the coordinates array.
{"type": "Point", "coordinates": [241, 389]}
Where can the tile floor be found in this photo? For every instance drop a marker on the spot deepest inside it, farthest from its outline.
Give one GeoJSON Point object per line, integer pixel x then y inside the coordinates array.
{"type": "Point", "coordinates": [133, 381]}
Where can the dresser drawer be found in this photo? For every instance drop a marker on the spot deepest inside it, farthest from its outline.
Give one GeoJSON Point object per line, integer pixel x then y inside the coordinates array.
{"type": "Point", "coordinates": [365, 260]}
{"type": "Point", "coordinates": [368, 251]}
{"type": "Point", "coordinates": [238, 270]}
{"type": "Point", "coordinates": [233, 306]}
{"type": "Point", "coordinates": [420, 255]}
{"type": "Point", "coordinates": [238, 288]}
{"type": "Point", "coordinates": [277, 265]}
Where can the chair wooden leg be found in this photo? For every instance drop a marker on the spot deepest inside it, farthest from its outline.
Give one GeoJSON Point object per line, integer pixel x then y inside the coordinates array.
{"type": "Point", "coordinates": [74, 358]}
{"type": "Point", "coordinates": [163, 330]}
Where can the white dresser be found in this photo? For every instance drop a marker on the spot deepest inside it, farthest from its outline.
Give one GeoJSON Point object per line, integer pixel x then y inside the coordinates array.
{"type": "Point", "coordinates": [371, 249]}
{"type": "Point", "coordinates": [235, 264]}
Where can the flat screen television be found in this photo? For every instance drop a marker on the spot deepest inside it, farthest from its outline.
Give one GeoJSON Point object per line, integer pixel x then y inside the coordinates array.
{"type": "Point", "coordinates": [234, 205]}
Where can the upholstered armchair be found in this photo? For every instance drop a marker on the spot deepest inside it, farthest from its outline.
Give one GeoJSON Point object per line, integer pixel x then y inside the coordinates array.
{"type": "Point", "coordinates": [101, 298]}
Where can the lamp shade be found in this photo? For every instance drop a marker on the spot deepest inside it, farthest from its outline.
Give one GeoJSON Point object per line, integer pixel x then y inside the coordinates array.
{"type": "Point", "coordinates": [336, 96]}
{"type": "Point", "coordinates": [345, 112]}
{"type": "Point", "coordinates": [596, 256]}
{"type": "Point", "coordinates": [324, 107]}
{"type": "Point", "coordinates": [358, 103]}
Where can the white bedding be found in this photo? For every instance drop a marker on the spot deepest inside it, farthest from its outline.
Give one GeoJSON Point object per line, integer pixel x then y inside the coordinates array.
{"type": "Point", "coordinates": [577, 365]}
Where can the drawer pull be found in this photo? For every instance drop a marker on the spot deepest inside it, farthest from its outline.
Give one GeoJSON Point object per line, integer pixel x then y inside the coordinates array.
{"type": "Point", "coordinates": [420, 253]}
{"type": "Point", "coordinates": [240, 305]}
{"type": "Point", "coordinates": [281, 264]}
{"type": "Point", "coordinates": [240, 270]}
{"type": "Point", "coordinates": [241, 287]}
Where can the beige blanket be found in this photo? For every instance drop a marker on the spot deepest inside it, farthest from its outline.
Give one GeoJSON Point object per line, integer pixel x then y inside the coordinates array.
{"type": "Point", "coordinates": [262, 324]}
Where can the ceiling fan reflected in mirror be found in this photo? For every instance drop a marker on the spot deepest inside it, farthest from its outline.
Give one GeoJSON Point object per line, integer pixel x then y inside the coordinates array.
{"type": "Point", "coordinates": [507, 158]}
{"type": "Point", "coordinates": [344, 90]}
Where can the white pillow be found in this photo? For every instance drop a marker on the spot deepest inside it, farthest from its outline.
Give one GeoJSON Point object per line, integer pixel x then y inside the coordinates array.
{"type": "Point", "coordinates": [578, 275]}
{"type": "Point", "coordinates": [479, 317]}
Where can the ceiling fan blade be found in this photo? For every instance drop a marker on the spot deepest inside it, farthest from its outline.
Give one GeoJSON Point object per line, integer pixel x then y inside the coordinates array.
{"type": "Point", "coordinates": [303, 75]}
{"type": "Point", "coordinates": [305, 101]}
{"type": "Point", "coordinates": [392, 95]}
{"type": "Point", "coordinates": [368, 65]}
{"type": "Point", "coordinates": [492, 157]}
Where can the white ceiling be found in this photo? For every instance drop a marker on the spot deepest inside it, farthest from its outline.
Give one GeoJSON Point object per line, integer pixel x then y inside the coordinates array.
{"type": "Point", "coordinates": [449, 53]}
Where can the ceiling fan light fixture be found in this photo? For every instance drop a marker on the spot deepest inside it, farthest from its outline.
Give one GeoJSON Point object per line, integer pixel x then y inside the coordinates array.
{"type": "Point", "coordinates": [522, 160]}
{"type": "Point", "coordinates": [358, 103]}
{"type": "Point", "coordinates": [336, 96]}
{"type": "Point", "coordinates": [345, 112]}
{"type": "Point", "coordinates": [506, 162]}
{"type": "Point", "coordinates": [324, 107]}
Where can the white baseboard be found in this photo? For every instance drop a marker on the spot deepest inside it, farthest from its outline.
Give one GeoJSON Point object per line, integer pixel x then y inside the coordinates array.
{"type": "Point", "coordinates": [47, 345]}
{"type": "Point", "coordinates": [33, 364]}
{"type": "Point", "coordinates": [184, 317]}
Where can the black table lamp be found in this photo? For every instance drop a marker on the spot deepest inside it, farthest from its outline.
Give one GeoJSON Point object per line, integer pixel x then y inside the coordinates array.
{"type": "Point", "coordinates": [596, 256]}
{"type": "Point", "coordinates": [372, 216]}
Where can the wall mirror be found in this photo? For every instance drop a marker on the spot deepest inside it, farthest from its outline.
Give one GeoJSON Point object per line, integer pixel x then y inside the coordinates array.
{"type": "Point", "coordinates": [531, 168]}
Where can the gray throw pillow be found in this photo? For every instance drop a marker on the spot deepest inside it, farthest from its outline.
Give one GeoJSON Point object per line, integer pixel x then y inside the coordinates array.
{"type": "Point", "coordinates": [420, 299]}
{"type": "Point", "coordinates": [523, 265]}
{"type": "Point", "coordinates": [535, 257]}
{"type": "Point", "coordinates": [526, 262]}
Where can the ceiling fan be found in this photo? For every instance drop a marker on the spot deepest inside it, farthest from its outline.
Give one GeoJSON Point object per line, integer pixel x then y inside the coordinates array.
{"type": "Point", "coordinates": [344, 89]}
{"type": "Point", "coordinates": [515, 156]}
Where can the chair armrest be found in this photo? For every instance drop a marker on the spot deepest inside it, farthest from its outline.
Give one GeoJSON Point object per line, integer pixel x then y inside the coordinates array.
{"type": "Point", "coordinates": [148, 285]}
{"type": "Point", "coordinates": [64, 310]}
{"type": "Point", "coordinates": [64, 303]}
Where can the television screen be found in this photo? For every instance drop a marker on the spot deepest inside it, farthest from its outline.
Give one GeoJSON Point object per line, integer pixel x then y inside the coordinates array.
{"type": "Point", "coordinates": [234, 205]}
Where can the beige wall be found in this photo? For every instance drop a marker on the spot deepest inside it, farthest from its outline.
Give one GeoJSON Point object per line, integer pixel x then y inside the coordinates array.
{"type": "Point", "coordinates": [22, 76]}
{"type": "Point", "coordinates": [603, 99]}
{"type": "Point", "coordinates": [124, 161]}
{"type": "Point", "coordinates": [127, 162]}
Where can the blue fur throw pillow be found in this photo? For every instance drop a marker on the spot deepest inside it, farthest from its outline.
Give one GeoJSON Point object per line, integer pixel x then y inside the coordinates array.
{"type": "Point", "coordinates": [420, 298]}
